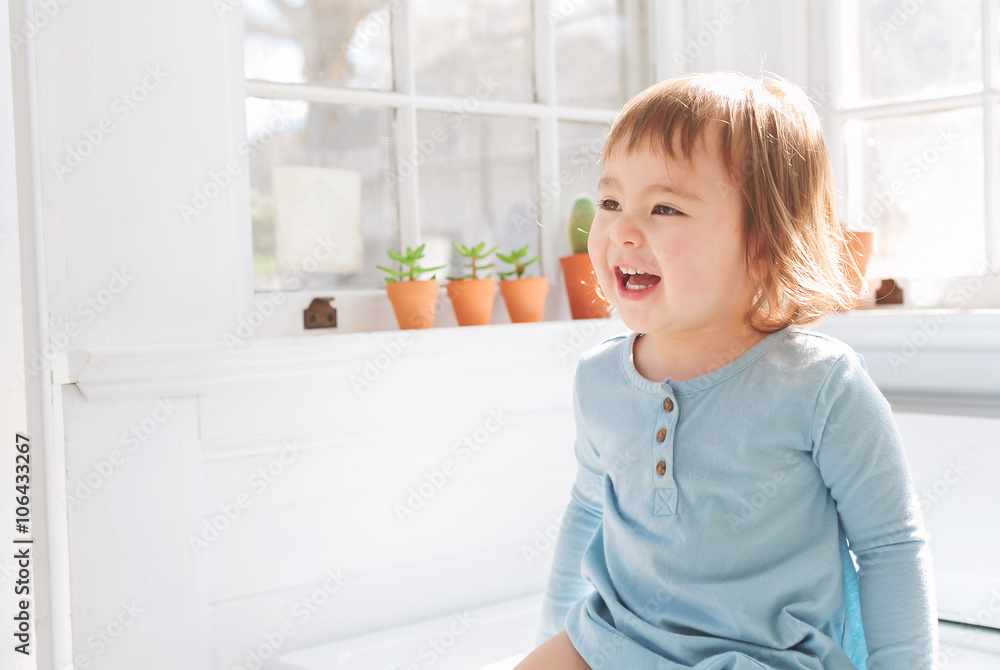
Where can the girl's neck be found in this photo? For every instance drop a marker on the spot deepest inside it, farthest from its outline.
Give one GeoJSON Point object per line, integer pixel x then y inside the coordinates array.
{"type": "Point", "coordinates": [659, 357]}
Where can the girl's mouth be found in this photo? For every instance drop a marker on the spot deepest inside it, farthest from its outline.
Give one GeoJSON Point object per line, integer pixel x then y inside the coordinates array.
{"type": "Point", "coordinates": [634, 283]}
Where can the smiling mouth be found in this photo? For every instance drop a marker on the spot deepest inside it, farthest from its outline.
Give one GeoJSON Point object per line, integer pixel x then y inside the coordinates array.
{"type": "Point", "coordinates": [632, 280]}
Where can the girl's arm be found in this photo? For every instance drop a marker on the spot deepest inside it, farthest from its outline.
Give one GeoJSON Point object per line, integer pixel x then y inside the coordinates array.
{"type": "Point", "coordinates": [860, 456]}
{"type": "Point", "coordinates": [580, 522]}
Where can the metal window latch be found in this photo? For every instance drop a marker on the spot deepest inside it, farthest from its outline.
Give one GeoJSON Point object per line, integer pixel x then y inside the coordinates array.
{"type": "Point", "coordinates": [320, 314]}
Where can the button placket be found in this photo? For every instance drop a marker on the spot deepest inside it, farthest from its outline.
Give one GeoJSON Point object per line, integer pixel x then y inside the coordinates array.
{"type": "Point", "coordinates": [664, 486]}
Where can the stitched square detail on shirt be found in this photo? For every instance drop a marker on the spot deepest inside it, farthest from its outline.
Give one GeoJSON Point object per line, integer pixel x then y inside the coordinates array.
{"type": "Point", "coordinates": [664, 502]}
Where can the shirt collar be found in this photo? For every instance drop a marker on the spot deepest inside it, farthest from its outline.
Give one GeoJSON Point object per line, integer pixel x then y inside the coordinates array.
{"type": "Point", "coordinates": [745, 360]}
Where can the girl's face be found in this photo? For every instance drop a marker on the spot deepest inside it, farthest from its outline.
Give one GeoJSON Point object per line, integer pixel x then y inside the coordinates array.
{"type": "Point", "coordinates": [679, 224]}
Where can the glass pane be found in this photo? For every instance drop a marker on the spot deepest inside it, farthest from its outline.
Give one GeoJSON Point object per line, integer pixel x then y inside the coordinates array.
{"type": "Point", "coordinates": [579, 149]}
{"type": "Point", "coordinates": [477, 184]}
{"type": "Point", "coordinates": [915, 48]}
{"type": "Point", "coordinates": [478, 48]}
{"type": "Point", "coordinates": [923, 193]}
{"type": "Point", "coordinates": [324, 205]}
{"type": "Point", "coordinates": [335, 42]}
{"type": "Point", "coordinates": [590, 53]}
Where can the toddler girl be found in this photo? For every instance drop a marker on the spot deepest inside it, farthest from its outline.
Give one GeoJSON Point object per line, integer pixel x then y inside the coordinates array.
{"type": "Point", "coordinates": [728, 458]}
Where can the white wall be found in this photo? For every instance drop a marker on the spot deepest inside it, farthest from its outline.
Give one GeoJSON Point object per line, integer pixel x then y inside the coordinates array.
{"type": "Point", "coordinates": [118, 211]}
{"type": "Point", "coordinates": [217, 496]}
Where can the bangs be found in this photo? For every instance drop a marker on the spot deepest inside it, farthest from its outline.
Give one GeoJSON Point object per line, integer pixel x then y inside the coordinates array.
{"type": "Point", "coordinates": [668, 119]}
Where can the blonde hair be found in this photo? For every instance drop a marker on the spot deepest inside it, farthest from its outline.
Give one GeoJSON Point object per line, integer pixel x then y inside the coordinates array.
{"type": "Point", "coordinates": [773, 148]}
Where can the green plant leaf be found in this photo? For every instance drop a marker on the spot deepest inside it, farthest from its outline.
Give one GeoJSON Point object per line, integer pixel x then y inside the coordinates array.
{"type": "Point", "coordinates": [394, 273]}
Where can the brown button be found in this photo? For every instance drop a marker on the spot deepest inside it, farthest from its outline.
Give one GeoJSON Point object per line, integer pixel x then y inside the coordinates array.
{"type": "Point", "coordinates": [661, 434]}
{"type": "Point", "coordinates": [661, 468]}
{"type": "Point", "coordinates": [668, 404]}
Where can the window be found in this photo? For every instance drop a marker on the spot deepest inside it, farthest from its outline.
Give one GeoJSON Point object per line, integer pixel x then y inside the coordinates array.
{"type": "Point", "coordinates": [377, 124]}
{"type": "Point", "coordinates": [916, 107]}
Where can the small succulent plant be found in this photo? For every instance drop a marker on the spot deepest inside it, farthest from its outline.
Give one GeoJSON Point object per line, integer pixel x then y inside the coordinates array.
{"type": "Point", "coordinates": [474, 254]}
{"type": "Point", "coordinates": [409, 261]}
{"type": "Point", "coordinates": [516, 258]}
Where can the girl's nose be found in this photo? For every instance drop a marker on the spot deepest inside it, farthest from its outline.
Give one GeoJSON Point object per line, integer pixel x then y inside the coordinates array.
{"type": "Point", "coordinates": [625, 232]}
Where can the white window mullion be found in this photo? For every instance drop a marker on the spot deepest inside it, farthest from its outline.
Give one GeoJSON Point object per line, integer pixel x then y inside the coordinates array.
{"type": "Point", "coordinates": [824, 78]}
{"type": "Point", "coordinates": [667, 39]}
{"type": "Point", "coordinates": [548, 140]}
{"type": "Point", "coordinates": [845, 53]}
{"type": "Point", "coordinates": [637, 73]}
{"type": "Point", "coordinates": [406, 128]}
{"type": "Point", "coordinates": [991, 131]}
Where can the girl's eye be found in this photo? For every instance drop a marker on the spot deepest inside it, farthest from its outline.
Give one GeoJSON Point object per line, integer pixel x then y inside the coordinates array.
{"type": "Point", "coordinates": [609, 204]}
{"type": "Point", "coordinates": [666, 210]}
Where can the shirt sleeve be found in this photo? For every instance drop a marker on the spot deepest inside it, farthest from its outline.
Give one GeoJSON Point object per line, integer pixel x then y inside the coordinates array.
{"type": "Point", "coordinates": [858, 450]}
{"type": "Point", "coordinates": [566, 584]}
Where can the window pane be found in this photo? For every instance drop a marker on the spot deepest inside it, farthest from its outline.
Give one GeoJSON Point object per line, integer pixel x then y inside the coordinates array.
{"type": "Point", "coordinates": [335, 42]}
{"type": "Point", "coordinates": [923, 193]}
{"type": "Point", "coordinates": [919, 48]}
{"type": "Point", "coordinates": [478, 48]}
{"type": "Point", "coordinates": [324, 208]}
{"type": "Point", "coordinates": [590, 53]}
{"type": "Point", "coordinates": [579, 149]}
{"type": "Point", "coordinates": [477, 184]}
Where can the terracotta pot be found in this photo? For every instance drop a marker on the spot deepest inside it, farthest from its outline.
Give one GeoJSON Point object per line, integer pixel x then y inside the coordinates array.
{"type": "Point", "coordinates": [581, 286]}
{"type": "Point", "coordinates": [525, 298]}
{"type": "Point", "coordinates": [473, 300]}
{"type": "Point", "coordinates": [414, 302]}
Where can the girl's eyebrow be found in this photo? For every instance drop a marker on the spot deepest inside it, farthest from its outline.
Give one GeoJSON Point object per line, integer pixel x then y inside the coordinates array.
{"type": "Point", "coordinates": [611, 182]}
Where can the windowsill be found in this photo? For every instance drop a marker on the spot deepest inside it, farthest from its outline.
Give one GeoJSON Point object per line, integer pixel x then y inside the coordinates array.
{"type": "Point", "coordinates": [947, 372]}
{"type": "Point", "coordinates": [929, 361]}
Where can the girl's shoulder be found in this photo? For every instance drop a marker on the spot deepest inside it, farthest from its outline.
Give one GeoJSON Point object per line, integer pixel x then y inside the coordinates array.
{"type": "Point", "coordinates": [806, 353]}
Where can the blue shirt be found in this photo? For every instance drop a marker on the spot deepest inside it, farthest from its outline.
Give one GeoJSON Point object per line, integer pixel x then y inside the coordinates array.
{"type": "Point", "coordinates": [709, 523]}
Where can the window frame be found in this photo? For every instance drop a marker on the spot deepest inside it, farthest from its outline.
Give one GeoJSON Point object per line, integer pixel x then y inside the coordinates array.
{"type": "Point", "coordinates": [405, 103]}
{"type": "Point", "coordinates": [830, 44]}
